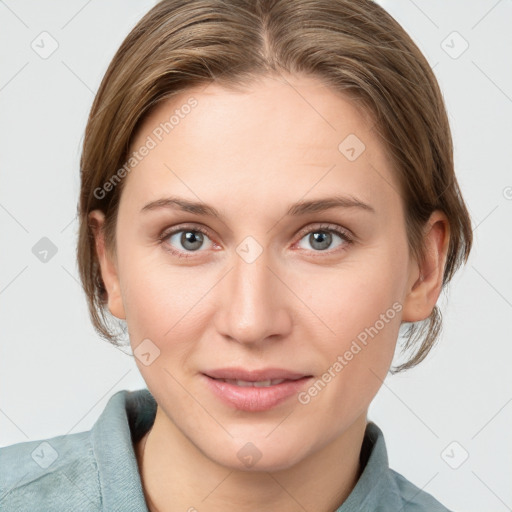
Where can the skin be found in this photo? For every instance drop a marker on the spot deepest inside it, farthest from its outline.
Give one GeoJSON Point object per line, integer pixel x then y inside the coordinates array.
{"type": "Point", "coordinates": [251, 154]}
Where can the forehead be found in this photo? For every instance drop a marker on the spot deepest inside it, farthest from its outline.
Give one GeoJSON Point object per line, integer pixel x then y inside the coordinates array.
{"type": "Point", "coordinates": [272, 137]}
{"type": "Point", "coordinates": [299, 108]}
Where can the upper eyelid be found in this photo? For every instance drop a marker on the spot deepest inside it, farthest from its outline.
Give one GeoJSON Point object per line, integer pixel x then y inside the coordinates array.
{"type": "Point", "coordinates": [322, 226]}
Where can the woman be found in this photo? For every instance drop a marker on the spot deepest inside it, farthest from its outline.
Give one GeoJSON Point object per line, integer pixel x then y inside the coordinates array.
{"type": "Point", "coordinates": [267, 196]}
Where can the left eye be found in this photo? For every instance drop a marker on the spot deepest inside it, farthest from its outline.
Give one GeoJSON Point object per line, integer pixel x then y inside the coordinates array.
{"type": "Point", "coordinates": [321, 239]}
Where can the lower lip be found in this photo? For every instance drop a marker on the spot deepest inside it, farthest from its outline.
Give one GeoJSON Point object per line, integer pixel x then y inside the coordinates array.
{"type": "Point", "coordinates": [255, 399]}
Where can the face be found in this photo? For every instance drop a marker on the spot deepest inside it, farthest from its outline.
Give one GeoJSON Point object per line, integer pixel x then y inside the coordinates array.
{"type": "Point", "coordinates": [275, 279]}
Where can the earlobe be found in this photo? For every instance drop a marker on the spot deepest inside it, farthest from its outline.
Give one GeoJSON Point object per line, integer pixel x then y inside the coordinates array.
{"type": "Point", "coordinates": [426, 277]}
{"type": "Point", "coordinates": [109, 272]}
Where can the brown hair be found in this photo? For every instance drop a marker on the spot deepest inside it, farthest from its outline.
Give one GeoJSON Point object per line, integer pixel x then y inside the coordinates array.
{"type": "Point", "coordinates": [354, 46]}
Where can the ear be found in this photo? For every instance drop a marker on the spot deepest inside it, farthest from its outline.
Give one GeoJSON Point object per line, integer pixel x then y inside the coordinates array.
{"type": "Point", "coordinates": [426, 277]}
{"type": "Point", "coordinates": [108, 266]}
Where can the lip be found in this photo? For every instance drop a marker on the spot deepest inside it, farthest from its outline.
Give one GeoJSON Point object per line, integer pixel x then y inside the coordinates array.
{"type": "Point", "coordinates": [254, 375]}
{"type": "Point", "coordinates": [254, 399]}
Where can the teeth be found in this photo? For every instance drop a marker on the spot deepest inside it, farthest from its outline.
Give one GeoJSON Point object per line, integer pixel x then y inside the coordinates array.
{"type": "Point", "coordinates": [257, 384]}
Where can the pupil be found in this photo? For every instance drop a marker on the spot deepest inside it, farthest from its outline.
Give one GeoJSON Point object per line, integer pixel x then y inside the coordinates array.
{"type": "Point", "coordinates": [192, 237]}
{"type": "Point", "coordinates": [321, 238]}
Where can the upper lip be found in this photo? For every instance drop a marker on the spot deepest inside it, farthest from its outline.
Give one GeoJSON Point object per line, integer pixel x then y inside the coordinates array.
{"type": "Point", "coordinates": [254, 375]}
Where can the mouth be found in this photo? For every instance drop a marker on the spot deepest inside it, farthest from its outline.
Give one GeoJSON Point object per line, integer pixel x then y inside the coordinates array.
{"type": "Point", "coordinates": [258, 391]}
{"type": "Point", "coordinates": [256, 384]}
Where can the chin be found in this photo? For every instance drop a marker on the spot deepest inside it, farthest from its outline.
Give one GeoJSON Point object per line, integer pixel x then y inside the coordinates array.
{"type": "Point", "coordinates": [257, 457]}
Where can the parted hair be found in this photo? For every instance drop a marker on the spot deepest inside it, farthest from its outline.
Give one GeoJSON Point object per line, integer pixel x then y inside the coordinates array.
{"type": "Point", "coordinates": [353, 46]}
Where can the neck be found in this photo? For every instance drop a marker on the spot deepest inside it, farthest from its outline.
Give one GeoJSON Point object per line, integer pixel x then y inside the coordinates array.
{"type": "Point", "coordinates": [176, 476]}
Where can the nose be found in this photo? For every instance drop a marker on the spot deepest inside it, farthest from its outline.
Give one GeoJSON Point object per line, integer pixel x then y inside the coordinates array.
{"type": "Point", "coordinates": [255, 302]}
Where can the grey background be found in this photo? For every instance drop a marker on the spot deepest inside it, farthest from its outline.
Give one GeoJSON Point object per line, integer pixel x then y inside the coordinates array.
{"type": "Point", "coordinates": [57, 375]}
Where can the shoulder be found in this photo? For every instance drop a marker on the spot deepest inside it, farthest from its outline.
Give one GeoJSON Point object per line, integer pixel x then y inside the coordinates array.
{"type": "Point", "coordinates": [92, 470]}
{"type": "Point", "coordinates": [413, 498]}
{"type": "Point", "coordinates": [58, 473]}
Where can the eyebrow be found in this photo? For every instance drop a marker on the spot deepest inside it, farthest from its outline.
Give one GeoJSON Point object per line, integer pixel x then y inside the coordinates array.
{"type": "Point", "coordinates": [297, 209]}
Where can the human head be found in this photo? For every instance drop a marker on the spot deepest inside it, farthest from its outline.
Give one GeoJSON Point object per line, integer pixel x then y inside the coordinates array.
{"type": "Point", "coordinates": [353, 46]}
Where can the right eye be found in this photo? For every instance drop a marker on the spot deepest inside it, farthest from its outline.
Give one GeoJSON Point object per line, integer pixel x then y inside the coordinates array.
{"type": "Point", "coordinates": [190, 239]}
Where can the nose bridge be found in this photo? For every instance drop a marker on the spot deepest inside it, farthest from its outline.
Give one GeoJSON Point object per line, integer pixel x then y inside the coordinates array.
{"type": "Point", "coordinates": [254, 305]}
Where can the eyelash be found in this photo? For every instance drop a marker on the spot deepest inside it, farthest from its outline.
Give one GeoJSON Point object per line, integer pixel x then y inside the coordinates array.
{"type": "Point", "coordinates": [326, 228]}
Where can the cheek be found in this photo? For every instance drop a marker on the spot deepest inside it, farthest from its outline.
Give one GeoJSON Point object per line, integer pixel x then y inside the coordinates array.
{"type": "Point", "coordinates": [357, 358]}
{"type": "Point", "coordinates": [161, 301]}
{"type": "Point", "coordinates": [354, 297]}
{"type": "Point", "coordinates": [361, 305]}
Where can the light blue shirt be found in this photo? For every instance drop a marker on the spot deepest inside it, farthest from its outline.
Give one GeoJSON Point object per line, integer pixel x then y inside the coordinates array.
{"type": "Point", "coordinates": [97, 470]}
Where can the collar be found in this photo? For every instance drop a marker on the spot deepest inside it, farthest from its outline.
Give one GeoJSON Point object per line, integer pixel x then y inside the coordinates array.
{"type": "Point", "coordinates": [126, 418]}
{"type": "Point", "coordinates": [130, 414]}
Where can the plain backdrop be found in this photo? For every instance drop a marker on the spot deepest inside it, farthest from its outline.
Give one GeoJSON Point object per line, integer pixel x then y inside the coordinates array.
{"type": "Point", "coordinates": [447, 423]}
